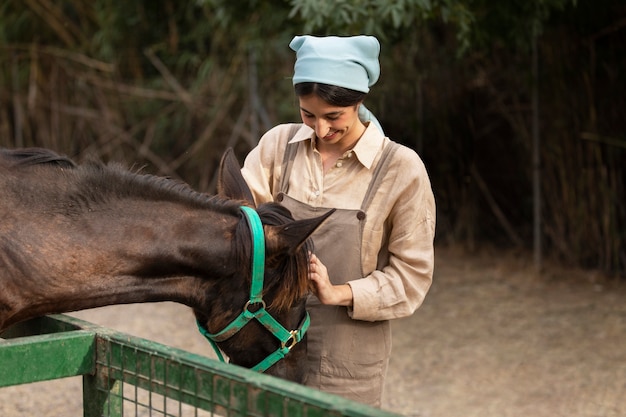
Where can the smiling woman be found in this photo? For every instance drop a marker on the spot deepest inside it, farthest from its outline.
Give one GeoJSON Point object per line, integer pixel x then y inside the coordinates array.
{"type": "Point", "coordinates": [373, 259]}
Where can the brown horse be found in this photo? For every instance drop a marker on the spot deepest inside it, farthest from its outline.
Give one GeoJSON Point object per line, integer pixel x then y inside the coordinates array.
{"type": "Point", "coordinates": [74, 237]}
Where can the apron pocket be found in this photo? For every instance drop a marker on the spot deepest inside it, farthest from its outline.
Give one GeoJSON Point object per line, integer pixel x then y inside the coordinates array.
{"type": "Point", "coordinates": [358, 381]}
{"type": "Point", "coordinates": [357, 349]}
{"type": "Point", "coordinates": [335, 368]}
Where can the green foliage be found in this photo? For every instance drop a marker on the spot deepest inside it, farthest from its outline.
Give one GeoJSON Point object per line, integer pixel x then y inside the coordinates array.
{"type": "Point", "coordinates": [381, 18]}
{"type": "Point", "coordinates": [511, 23]}
{"type": "Point", "coordinates": [477, 23]}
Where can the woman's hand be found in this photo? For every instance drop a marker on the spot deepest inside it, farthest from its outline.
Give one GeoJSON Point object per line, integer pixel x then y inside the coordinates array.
{"type": "Point", "coordinates": [339, 295]}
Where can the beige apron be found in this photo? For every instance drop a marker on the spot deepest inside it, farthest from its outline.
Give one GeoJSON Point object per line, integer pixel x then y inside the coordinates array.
{"type": "Point", "coordinates": [345, 357]}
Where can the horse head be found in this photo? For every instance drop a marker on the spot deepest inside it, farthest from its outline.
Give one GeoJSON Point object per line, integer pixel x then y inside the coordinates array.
{"type": "Point", "coordinates": [284, 292]}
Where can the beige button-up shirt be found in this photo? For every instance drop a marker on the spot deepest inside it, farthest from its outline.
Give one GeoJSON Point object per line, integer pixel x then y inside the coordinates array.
{"type": "Point", "coordinates": [400, 220]}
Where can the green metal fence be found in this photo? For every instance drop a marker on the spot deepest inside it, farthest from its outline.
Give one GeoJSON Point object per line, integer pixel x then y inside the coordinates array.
{"type": "Point", "coordinates": [128, 376]}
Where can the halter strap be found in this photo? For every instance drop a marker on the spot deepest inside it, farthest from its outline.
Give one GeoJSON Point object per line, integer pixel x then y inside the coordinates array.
{"type": "Point", "coordinates": [258, 255]}
{"type": "Point", "coordinates": [288, 339]}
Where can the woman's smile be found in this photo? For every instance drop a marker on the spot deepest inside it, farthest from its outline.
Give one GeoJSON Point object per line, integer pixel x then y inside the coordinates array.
{"type": "Point", "coordinates": [331, 135]}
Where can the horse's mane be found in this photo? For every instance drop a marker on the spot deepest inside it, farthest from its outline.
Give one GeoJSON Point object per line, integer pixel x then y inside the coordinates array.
{"type": "Point", "coordinates": [296, 265]}
{"type": "Point", "coordinates": [97, 182]}
{"type": "Point", "coordinates": [114, 180]}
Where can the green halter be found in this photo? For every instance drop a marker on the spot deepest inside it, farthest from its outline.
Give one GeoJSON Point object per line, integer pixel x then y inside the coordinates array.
{"type": "Point", "coordinates": [288, 339]}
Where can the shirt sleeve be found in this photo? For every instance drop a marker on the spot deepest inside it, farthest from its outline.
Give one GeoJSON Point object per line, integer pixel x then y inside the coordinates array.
{"type": "Point", "coordinates": [260, 165]}
{"type": "Point", "coordinates": [398, 289]}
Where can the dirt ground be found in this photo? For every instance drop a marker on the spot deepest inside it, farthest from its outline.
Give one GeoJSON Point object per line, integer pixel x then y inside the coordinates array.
{"type": "Point", "coordinates": [493, 339]}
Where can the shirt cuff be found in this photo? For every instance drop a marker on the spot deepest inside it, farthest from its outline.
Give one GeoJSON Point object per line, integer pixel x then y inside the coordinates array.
{"type": "Point", "coordinates": [364, 300]}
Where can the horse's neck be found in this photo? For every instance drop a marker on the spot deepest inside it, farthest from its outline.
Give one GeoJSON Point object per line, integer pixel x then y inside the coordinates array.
{"type": "Point", "coordinates": [146, 253]}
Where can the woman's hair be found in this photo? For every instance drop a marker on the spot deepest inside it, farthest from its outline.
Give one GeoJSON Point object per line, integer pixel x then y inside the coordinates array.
{"type": "Point", "coordinates": [333, 95]}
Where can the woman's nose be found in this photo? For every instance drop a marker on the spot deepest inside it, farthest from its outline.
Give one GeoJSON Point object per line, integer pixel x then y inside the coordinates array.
{"type": "Point", "coordinates": [321, 128]}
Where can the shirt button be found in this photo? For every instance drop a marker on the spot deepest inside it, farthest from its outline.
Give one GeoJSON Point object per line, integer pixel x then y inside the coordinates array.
{"type": "Point", "coordinates": [339, 164]}
{"type": "Point", "coordinates": [316, 193]}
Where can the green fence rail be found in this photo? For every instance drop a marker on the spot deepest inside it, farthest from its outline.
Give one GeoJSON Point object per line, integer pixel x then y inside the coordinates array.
{"type": "Point", "coordinates": [129, 376]}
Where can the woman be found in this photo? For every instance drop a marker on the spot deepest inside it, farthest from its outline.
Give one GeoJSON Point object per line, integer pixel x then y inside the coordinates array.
{"type": "Point", "coordinates": [374, 256]}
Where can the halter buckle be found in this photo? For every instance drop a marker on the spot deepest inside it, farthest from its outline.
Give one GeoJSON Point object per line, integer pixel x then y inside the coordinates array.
{"type": "Point", "coordinates": [291, 341]}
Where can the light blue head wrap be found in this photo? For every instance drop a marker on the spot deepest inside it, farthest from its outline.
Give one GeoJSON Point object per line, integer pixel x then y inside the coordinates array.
{"type": "Point", "coordinates": [349, 62]}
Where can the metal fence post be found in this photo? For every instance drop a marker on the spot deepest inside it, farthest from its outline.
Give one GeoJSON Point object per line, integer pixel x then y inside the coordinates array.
{"type": "Point", "coordinates": [102, 396]}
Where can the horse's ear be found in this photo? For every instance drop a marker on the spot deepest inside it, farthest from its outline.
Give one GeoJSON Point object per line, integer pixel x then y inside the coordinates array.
{"type": "Point", "coordinates": [290, 237]}
{"type": "Point", "coordinates": [230, 182]}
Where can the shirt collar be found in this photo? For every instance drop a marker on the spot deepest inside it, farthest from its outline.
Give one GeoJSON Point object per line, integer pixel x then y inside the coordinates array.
{"type": "Point", "coordinates": [365, 149]}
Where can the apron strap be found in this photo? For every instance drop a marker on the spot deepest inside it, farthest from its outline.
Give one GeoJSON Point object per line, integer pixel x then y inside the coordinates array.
{"type": "Point", "coordinates": [379, 173]}
{"type": "Point", "coordinates": [384, 161]}
{"type": "Point", "coordinates": [290, 155]}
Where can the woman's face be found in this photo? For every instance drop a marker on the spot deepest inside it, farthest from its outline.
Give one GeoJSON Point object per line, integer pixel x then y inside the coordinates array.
{"type": "Point", "coordinates": [335, 127]}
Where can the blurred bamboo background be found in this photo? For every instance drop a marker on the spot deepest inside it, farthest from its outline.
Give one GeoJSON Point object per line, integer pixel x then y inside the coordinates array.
{"type": "Point", "coordinates": [166, 86]}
